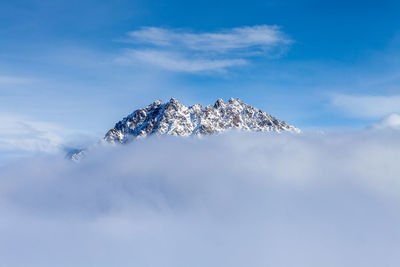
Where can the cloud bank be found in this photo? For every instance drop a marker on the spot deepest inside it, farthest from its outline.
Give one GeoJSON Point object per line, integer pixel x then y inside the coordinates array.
{"type": "Point", "coordinates": [228, 200]}
{"type": "Point", "coordinates": [185, 51]}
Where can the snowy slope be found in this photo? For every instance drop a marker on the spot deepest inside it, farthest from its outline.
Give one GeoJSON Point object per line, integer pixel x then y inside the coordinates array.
{"type": "Point", "coordinates": [174, 118]}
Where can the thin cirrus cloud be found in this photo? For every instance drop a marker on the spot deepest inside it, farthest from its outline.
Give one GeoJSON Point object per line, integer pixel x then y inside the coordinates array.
{"type": "Point", "coordinates": [23, 136]}
{"type": "Point", "coordinates": [19, 133]}
{"type": "Point", "coordinates": [11, 80]}
{"type": "Point", "coordinates": [185, 51]}
{"type": "Point", "coordinates": [261, 37]}
{"type": "Point", "coordinates": [367, 106]}
{"type": "Point", "coordinates": [176, 62]}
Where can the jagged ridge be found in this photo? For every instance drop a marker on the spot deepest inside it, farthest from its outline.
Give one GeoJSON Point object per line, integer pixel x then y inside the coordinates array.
{"type": "Point", "coordinates": [174, 118]}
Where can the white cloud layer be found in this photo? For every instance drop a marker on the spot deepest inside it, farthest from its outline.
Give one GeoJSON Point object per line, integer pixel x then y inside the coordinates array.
{"type": "Point", "coordinates": [230, 200]}
{"type": "Point", "coordinates": [368, 107]}
{"type": "Point", "coordinates": [180, 50]}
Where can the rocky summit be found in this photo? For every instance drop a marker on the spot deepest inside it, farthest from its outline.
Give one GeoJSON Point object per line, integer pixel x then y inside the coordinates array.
{"type": "Point", "coordinates": [174, 118]}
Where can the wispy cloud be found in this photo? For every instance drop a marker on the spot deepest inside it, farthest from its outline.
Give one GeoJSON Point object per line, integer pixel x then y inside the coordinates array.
{"type": "Point", "coordinates": [262, 37]}
{"type": "Point", "coordinates": [181, 63]}
{"type": "Point", "coordinates": [23, 136]}
{"type": "Point", "coordinates": [366, 106]}
{"type": "Point", "coordinates": [187, 51]}
{"type": "Point", "coordinates": [10, 80]}
{"type": "Point", "coordinates": [389, 122]}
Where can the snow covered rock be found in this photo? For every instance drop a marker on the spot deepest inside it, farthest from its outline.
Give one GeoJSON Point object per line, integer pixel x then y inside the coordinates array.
{"type": "Point", "coordinates": [174, 118]}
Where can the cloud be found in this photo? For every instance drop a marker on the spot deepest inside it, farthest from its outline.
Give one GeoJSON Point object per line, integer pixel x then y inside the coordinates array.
{"type": "Point", "coordinates": [11, 80]}
{"type": "Point", "coordinates": [228, 200]}
{"type": "Point", "coordinates": [24, 136]}
{"type": "Point", "coordinates": [21, 133]}
{"type": "Point", "coordinates": [367, 107]}
{"type": "Point", "coordinates": [392, 122]}
{"type": "Point", "coordinates": [176, 62]}
{"type": "Point", "coordinates": [186, 51]}
{"type": "Point", "coordinates": [261, 37]}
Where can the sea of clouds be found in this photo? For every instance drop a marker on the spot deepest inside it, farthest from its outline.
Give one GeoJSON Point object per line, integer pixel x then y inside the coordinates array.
{"type": "Point", "coordinates": [235, 199]}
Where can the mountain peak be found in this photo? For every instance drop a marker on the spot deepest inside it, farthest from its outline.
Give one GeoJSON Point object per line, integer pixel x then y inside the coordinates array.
{"type": "Point", "coordinates": [219, 103]}
{"type": "Point", "coordinates": [173, 118]}
{"type": "Point", "coordinates": [156, 103]}
{"type": "Point", "coordinates": [173, 100]}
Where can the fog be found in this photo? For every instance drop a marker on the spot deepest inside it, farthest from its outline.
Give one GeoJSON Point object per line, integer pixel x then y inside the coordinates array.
{"type": "Point", "coordinates": [235, 199]}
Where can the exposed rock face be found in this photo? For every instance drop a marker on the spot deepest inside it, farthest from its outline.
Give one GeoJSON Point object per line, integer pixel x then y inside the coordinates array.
{"type": "Point", "coordinates": [174, 118]}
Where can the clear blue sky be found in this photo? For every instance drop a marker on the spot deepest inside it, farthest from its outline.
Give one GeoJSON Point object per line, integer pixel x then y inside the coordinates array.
{"type": "Point", "coordinates": [83, 65]}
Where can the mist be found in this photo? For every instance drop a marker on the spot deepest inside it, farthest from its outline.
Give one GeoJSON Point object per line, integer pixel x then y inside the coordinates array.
{"type": "Point", "coordinates": [234, 199]}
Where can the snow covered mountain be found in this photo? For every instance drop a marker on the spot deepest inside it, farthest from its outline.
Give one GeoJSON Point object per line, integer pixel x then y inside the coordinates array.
{"type": "Point", "coordinates": [174, 118]}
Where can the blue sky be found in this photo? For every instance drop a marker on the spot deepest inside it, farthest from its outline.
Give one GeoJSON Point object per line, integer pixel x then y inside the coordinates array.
{"type": "Point", "coordinates": [73, 68]}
